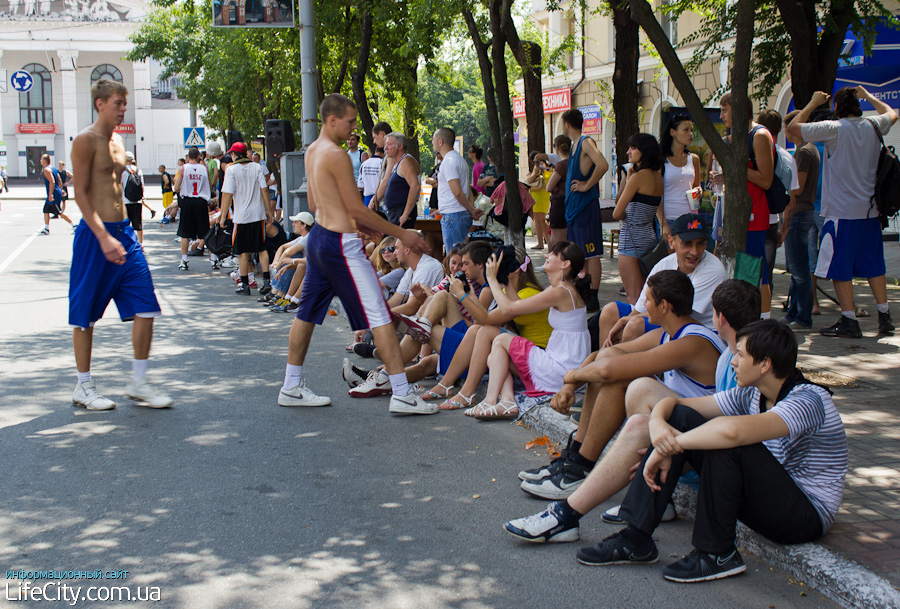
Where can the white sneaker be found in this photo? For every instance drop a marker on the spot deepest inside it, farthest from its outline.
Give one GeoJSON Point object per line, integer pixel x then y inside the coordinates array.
{"type": "Point", "coordinates": [144, 394]}
{"type": "Point", "coordinates": [377, 383]}
{"type": "Point", "coordinates": [301, 395]}
{"type": "Point", "coordinates": [411, 404]}
{"type": "Point", "coordinates": [352, 374]}
{"type": "Point", "coordinates": [229, 263]}
{"type": "Point", "coordinates": [416, 326]}
{"type": "Point", "coordinates": [86, 396]}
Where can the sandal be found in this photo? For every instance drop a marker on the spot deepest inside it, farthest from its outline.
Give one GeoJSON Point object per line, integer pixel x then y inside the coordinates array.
{"type": "Point", "coordinates": [454, 404]}
{"type": "Point", "coordinates": [431, 394]}
{"type": "Point", "coordinates": [504, 409]}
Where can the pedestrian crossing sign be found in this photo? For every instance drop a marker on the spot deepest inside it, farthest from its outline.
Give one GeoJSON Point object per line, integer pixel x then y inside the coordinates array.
{"type": "Point", "coordinates": [195, 136]}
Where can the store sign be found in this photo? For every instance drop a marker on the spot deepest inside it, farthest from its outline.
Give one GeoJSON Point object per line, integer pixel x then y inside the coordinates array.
{"type": "Point", "coordinates": [557, 100]}
{"type": "Point", "coordinates": [125, 128]}
{"type": "Point", "coordinates": [36, 128]}
{"type": "Point", "coordinates": [593, 119]}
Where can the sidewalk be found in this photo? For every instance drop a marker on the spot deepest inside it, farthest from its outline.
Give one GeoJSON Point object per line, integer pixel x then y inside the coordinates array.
{"type": "Point", "coordinates": [858, 562]}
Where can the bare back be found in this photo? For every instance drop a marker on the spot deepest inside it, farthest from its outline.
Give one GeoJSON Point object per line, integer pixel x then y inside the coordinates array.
{"type": "Point", "coordinates": [98, 162]}
{"type": "Point", "coordinates": [331, 187]}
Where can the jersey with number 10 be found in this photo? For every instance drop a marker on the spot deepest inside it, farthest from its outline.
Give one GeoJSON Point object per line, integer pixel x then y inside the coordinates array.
{"type": "Point", "coordinates": [195, 181]}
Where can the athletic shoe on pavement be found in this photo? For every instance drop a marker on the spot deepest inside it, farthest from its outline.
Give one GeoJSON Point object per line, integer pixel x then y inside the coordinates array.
{"type": "Point", "coordinates": [616, 550]}
{"type": "Point", "coordinates": [702, 567]}
{"type": "Point", "coordinates": [885, 323]}
{"type": "Point", "coordinates": [611, 516]}
{"type": "Point", "coordinates": [301, 395]}
{"type": "Point", "coordinates": [558, 486]}
{"type": "Point", "coordinates": [364, 349]}
{"type": "Point", "coordinates": [353, 375]}
{"type": "Point", "coordinates": [410, 404]}
{"type": "Point", "coordinates": [44, 231]}
{"type": "Point", "coordinates": [195, 252]}
{"type": "Point", "coordinates": [285, 307]}
{"type": "Point", "coordinates": [183, 266]}
{"type": "Point", "coordinates": [377, 383]}
{"type": "Point", "coordinates": [549, 526]}
{"type": "Point", "coordinates": [87, 396]}
{"type": "Point", "coordinates": [144, 394]}
{"type": "Point", "coordinates": [243, 289]}
{"type": "Point", "coordinates": [252, 283]}
{"type": "Point", "coordinates": [266, 287]}
{"type": "Point", "coordinates": [844, 328]}
{"type": "Point", "coordinates": [545, 471]}
{"type": "Point", "coordinates": [214, 264]}
{"type": "Point", "coordinates": [418, 327]}
{"type": "Point", "coordinates": [230, 263]}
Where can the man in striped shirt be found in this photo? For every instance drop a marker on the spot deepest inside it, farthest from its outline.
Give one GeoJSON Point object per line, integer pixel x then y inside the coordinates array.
{"type": "Point", "coordinates": [771, 452]}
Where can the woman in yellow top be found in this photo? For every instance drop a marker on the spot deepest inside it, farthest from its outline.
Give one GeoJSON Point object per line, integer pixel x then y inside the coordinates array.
{"type": "Point", "coordinates": [537, 180]}
{"type": "Point", "coordinates": [471, 356]}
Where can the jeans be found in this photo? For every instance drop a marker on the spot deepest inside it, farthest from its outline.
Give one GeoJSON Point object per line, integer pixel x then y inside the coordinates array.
{"type": "Point", "coordinates": [455, 228]}
{"type": "Point", "coordinates": [814, 231]}
{"type": "Point", "coordinates": [796, 250]}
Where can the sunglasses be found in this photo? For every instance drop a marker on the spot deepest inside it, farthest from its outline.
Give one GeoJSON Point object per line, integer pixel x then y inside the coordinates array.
{"type": "Point", "coordinates": [389, 249]}
{"type": "Point", "coordinates": [458, 245]}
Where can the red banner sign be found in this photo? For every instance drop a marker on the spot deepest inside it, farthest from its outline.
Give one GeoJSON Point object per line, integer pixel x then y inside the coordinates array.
{"type": "Point", "coordinates": [125, 128]}
{"type": "Point", "coordinates": [35, 128]}
{"type": "Point", "coordinates": [557, 100]}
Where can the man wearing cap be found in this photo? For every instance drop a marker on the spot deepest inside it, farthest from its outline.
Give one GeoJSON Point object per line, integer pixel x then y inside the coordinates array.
{"type": "Point", "coordinates": [213, 155]}
{"type": "Point", "coordinates": [134, 208]}
{"type": "Point", "coordinates": [245, 186]}
{"type": "Point", "coordinates": [192, 183]}
{"type": "Point", "coordinates": [289, 267]}
{"type": "Point", "coordinates": [621, 322]}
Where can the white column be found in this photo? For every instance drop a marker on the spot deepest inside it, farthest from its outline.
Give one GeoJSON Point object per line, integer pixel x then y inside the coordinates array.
{"type": "Point", "coordinates": [9, 159]}
{"type": "Point", "coordinates": [69, 122]}
{"type": "Point", "coordinates": [723, 72]}
{"type": "Point", "coordinates": [143, 121]}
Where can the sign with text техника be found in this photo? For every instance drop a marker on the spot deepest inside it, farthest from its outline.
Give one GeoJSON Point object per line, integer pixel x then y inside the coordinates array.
{"type": "Point", "coordinates": [555, 101]}
{"type": "Point", "coordinates": [195, 136]}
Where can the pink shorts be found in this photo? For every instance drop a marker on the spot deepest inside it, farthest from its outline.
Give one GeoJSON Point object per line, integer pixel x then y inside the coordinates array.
{"type": "Point", "coordinates": [519, 350]}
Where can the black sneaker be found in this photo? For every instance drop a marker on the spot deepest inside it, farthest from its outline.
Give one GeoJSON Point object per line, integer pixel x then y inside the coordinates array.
{"type": "Point", "coordinates": [616, 550]}
{"type": "Point", "coordinates": [266, 287]}
{"type": "Point", "coordinates": [702, 567]}
{"type": "Point", "coordinates": [558, 486]}
{"type": "Point", "coordinates": [183, 266]}
{"type": "Point", "coordinates": [844, 328]}
{"type": "Point", "coordinates": [593, 304]}
{"type": "Point", "coordinates": [195, 252]}
{"type": "Point", "coordinates": [364, 349]}
{"type": "Point", "coordinates": [545, 471]}
{"type": "Point", "coordinates": [243, 289]}
{"type": "Point", "coordinates": [152, 213]}
{"type": "Point", "coordinates": [885, 323]}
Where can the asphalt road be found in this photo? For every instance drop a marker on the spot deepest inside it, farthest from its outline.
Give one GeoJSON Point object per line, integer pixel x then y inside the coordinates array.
{"type": "Point", "coordinates": [228, 500]}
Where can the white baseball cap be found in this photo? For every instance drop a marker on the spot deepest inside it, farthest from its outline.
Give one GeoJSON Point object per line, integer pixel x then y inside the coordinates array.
{"type": "Point", "coordinates": [305, 217]}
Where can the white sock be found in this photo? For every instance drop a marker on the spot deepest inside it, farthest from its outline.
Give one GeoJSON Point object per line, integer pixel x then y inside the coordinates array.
{"type": "Point", "coordinates": [139, 369]}
{"type": "Point", "coordinates": [184, 257]}
{"type": "Point", "coordinates": [46, 227]}
{"type": "Point", "coordinates": [850, 314]}
{"type": "Point", "coordinates": [295, 300]}
{"type": "Point", "coordinates": [292, 375]}
{"type": "Point", "coordinates": [399, 384]}
{"type": "Point", "coordinates": [84, 377]}
{"type": "Point", "coordinates": [213, 257]}
{"type": "Point", "coordinates": [765, 315]}
{"type": "Point", "coordinates": [883, 308]}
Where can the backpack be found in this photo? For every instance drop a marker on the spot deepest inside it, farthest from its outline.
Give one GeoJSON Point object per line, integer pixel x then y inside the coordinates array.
{"type": "Point", "coordinates": [134, 190]}
{"type": "Point", "coordinates": [887, 182]}
{"type": "Point", "coordinates": [777, 195]}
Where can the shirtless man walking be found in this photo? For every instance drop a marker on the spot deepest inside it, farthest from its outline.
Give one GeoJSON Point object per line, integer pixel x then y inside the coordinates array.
{"type": "Point", "coordinates": [338, 265]}
{"type": "Point", "coordinates": [107, 261]}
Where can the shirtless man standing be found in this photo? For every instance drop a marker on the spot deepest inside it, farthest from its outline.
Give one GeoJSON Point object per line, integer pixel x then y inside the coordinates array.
{"type": "Point", "coordinates": [338, 265]}
{"type": "Point", "coordinates": [107, 261]}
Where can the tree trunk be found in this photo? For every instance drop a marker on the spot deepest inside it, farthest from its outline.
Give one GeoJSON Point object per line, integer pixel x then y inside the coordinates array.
{"type": "Point", "coordinates": [487, 77]}
{"type": "Point", "coordinates": [734, 157]}
{"type": "Point", "coordinates": [358, 78]}
{"type": "Point", "coordinates": [528, 56]}
{"type": "Point", "coordinates": [499, 10]}
{"type": "Point", "coordinates": [411, 112]}
{"type": "Point", "coordinates": [626, 99]}
{"type": "Point", "coordinates": [345, 59]}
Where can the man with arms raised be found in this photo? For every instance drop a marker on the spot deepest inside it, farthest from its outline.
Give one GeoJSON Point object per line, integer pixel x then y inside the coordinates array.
{"type": "Point", "coordinates": [338, 265]}
{"type": "Point", "coordinates": [107, 261]}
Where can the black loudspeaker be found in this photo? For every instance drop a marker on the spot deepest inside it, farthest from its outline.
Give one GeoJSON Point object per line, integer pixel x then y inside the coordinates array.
{"type": "Point", "coordinates": [279, 138]}
{"type": "Point", "coordinates": [232, 137]}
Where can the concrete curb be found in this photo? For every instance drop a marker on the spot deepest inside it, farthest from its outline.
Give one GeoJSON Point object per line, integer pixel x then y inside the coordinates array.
{"type": "Point", "coordinates": [839, 578]}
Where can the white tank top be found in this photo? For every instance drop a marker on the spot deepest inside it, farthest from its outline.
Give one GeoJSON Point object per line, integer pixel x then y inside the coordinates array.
{"type": "Point", "coordinates": [678, 381]}
{"type": "Point", "coordinates": [676, 182]}
{"type": "Point", "coordinates": [195, 181]}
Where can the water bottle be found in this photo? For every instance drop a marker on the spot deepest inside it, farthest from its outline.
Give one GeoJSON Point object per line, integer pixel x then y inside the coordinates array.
{"type": "Point", "coordinates": [426, 213]}
{"type": "Point", "coordinates": [715, 169]}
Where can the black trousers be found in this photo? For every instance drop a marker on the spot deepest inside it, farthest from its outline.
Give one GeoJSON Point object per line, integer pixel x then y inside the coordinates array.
{"type": "Point", "coordinates": [745, 483]}
{"type": "Point", "coordinates": [394, 213]}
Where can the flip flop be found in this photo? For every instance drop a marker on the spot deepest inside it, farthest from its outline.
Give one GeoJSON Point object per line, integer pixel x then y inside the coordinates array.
{"type": "Point", "coordinates": [431, 395]}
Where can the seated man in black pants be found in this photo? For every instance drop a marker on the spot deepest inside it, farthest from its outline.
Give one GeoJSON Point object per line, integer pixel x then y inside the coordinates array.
{"type": "Point", "coordinates": [771, 452]}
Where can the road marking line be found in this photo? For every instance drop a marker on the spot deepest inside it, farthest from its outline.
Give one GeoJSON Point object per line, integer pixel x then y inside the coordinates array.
{"type": "Point", "coordinates": [11, 257]}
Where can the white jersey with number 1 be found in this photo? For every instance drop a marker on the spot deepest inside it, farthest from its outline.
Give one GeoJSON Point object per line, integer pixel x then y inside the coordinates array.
{"type": "Point", "coordinates": [195, 181]}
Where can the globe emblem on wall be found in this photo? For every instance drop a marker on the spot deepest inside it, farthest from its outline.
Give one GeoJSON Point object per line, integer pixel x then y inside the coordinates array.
{"type": "Point", "coordinates": [21, 81]}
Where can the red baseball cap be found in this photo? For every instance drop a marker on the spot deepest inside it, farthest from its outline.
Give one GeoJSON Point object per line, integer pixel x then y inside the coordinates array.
{"type": "Point", "coordinates": [239, 147]}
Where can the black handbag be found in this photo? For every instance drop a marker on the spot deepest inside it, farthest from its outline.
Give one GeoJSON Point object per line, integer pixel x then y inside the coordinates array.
{"type": "Point", "coordinates": [651, 258]}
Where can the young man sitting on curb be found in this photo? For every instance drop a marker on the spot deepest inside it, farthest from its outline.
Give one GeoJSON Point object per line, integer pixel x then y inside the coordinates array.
{"type": "Point", "coordinates": [736, 304]}
{"type": "Point", "coordinates": [772, 453]}
{"type": "Point", "coordinates": [682, 350]}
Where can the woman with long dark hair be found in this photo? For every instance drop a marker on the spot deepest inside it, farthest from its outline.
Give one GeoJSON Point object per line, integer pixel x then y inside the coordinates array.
{"type": "Point", "coordinates": [637, 206]}
{"type": "Point", "coordinates": [680, 169]}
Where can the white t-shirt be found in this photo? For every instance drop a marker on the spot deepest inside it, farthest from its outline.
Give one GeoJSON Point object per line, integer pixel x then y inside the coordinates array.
{"type": "Point", "coordinates": [301, 241]}
{"type": "Point", "coordinates": [368, 175]}
{"type": "Point", "coordinates": [706, 278]}
{"type": "Point", "coordinates": [788, 159]}
{"type": "Point", "coordinates": [850, 162]}
{"type": "Point", "coordinates": [428, 272]}
{"type": "Point", "coordinates": [676, 182]}
{"type": "Point", "coordinates": [245, 181]}
{"type": "Point", "coordinates": [195, 181]}
{"type": "Point", "coordinates": [124, 181]}
{"type": "Point", "coordinates": [453, 167]}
